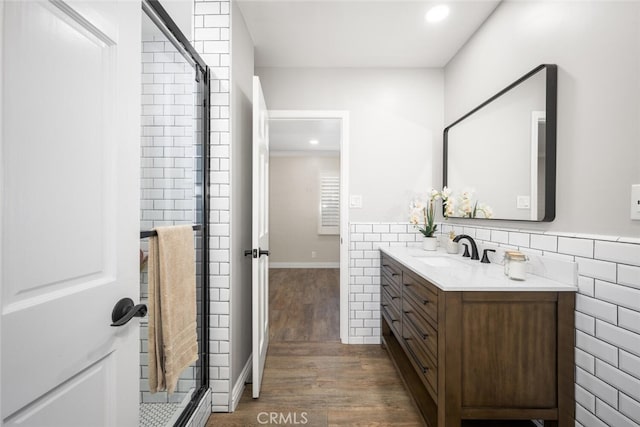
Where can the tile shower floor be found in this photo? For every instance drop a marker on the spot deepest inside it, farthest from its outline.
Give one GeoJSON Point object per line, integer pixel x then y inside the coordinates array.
{"type": "Point", "coordinates": [158, 414]}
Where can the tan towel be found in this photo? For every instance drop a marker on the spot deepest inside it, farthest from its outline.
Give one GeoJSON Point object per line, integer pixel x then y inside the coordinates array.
{"type": "Point", "coordinates": [173, 340]}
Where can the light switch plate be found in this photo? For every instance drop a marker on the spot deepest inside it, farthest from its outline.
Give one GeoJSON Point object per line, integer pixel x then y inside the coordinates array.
{"type": "Point", "coordinates": [355, 201]}
{"type": "Point", "coordinates": [635, 201]}
{"type": "Point", "coordinates": [523, 202]}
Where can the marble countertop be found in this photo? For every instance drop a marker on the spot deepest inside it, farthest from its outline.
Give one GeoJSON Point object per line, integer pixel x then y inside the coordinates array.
{"type": "Point", "coordinates": [455, 273]}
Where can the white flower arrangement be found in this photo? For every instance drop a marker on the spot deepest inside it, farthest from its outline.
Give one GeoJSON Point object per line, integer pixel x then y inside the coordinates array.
{"type": "Point", "coordinates": [422, 214]}
{"type": "Point", "coordinates": [469, 209]}
{"type": "Point", "coordinates": [448, 202]}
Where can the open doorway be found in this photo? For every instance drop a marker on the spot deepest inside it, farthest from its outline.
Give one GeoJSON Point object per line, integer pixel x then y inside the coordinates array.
{"type": "Point", "coordinates": [308, 226]}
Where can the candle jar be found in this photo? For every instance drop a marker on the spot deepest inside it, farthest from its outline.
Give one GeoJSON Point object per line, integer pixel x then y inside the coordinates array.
{"type": "Point", "coordinates": [515, 265]}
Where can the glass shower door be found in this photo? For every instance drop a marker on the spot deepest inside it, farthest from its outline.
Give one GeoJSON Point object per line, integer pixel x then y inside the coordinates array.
{"type": "Point", "coordinates": [172, 191]}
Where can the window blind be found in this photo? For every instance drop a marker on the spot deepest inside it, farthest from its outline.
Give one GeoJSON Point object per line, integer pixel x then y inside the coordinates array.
{"type": "Point", "coordinates": [329, 217]}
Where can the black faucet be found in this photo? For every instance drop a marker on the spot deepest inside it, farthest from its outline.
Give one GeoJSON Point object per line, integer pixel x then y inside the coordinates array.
{"type": "Point", "coordinates": [474, 247]}
{"type": "Point", "coordinates": [485, 257]}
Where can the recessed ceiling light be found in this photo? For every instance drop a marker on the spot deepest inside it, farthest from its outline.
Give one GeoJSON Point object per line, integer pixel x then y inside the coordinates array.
{"type": "Point", "coordinates": [314, 142]}
{"type": "Point", "coordinates": [437, 13]}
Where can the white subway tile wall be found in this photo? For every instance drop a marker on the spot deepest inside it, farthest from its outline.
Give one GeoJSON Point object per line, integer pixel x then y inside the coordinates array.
{"type": "Point", "coordinates": [167, 175]}
{"type": "Point", "coordinates": [364, 275]}
{"type": "Point", "coordinates": [607, 306]}
{"type": "Point", "coordinates": [211, 41]}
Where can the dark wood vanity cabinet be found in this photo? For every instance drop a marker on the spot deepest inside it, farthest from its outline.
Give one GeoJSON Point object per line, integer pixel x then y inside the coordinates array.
{"type": "Point", "coordinates": [479, 355]}
{"type": "Point", "coordinates": [390, 299]}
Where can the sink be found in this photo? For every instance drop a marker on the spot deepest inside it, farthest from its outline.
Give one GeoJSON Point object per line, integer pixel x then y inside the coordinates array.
{"type": "Point", "coordinates": [440, 261]}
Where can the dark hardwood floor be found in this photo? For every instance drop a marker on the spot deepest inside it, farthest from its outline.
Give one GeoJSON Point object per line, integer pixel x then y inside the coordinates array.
{"type": "Point", "coordinates": [310, 378]}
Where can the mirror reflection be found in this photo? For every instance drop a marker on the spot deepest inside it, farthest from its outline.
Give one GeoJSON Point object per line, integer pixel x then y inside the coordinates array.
{"type": "Point", "coordinates": [500, 158]}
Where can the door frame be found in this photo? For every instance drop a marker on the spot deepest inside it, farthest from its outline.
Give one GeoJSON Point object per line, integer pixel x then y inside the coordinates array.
{"type": "Point", "coordinates": [344, 200]}
{"type": "Point", "coordinates": [2, 6]}
{"type": "Point", "coordinates": [537, 117]}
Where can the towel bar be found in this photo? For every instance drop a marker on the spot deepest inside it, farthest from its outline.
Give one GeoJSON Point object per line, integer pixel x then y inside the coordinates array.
{"type": "Point", "coordinates": [145, 234]}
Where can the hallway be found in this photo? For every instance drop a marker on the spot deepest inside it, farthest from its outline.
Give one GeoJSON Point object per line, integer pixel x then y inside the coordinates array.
{"type": "Point", "coordinates": [310, 378]}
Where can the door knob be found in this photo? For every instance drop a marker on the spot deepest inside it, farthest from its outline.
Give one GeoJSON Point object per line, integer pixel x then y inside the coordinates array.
{"type": "Point", "coordinates": [125, 310]}
{"type": "Point", "coordinates": [255, 253]}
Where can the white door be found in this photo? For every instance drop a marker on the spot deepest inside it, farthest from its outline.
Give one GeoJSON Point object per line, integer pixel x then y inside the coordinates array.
{"type": "Point", "coordinates": [70, 120]}
{"type": "Point", "coordinates": [260, 235]}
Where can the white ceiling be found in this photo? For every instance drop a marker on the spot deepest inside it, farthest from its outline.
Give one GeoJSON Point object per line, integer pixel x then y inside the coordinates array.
{"type": "Point", "coordinates": [293, 135]}
{"type": "Point", "coordinates": [359, 33]}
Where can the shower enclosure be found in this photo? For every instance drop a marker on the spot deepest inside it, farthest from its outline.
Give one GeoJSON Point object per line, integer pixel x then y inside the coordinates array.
{"type": "Point", "coordinates": [173, 189]}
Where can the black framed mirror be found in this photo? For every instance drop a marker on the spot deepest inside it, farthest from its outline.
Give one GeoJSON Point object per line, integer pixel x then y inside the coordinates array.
{"type": "Point", "coordinates": [500, 158]}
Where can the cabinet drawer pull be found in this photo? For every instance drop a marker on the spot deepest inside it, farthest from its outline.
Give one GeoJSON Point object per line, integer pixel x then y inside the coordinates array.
{"type": "Point", "coordinates": [389, 292]}
{"type": "Point", "coordinates": [423, 300]}
{"type": "Point", "coordinates": [422, 334]}
{"type": "Point", "coordinates": [384, 306]}
{"type": "Point", "coordinates": [394, 274]}
{"type": "Point", "coordinates": [424, 369]}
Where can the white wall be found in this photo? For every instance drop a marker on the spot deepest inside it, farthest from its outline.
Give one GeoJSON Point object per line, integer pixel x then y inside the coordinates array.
{"type": "Point", "coordinates": [596, 46]}
{"type": "Point", "coordinates": [293, 210]}
{"type": "Point", "coordinates": [396, 123]}
{"type": "Point", "coordinates": [241, 143]}
{"type": "Point", "coordinates": [181, 11]}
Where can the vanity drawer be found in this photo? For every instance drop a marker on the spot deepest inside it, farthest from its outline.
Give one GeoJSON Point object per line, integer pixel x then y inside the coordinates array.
{"type": "Point", "coordinates": [423, 294]}
{"type": "Point", "coordinates": [412, 317]}
{"type": "Point", "coordinates": [391, 314]}
{"type": "Point", "coordinates": [424, 364]}
{"type": "Point", "coordinates": [392, 271]}
{"type": "Point", "coordinates": [392, 290]}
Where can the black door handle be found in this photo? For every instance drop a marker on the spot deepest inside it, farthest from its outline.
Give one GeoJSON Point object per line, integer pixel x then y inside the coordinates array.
{"type": "Point", "coordinates": [255, 253]}
{"type": "Point", "coordinates": [125, 310]}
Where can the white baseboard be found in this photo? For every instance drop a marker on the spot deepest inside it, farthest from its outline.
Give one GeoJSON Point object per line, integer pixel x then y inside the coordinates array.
{"type": "Point", "coordinates": [238, 387]}
{"type": "Point", "coordinates": [304, 265]}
